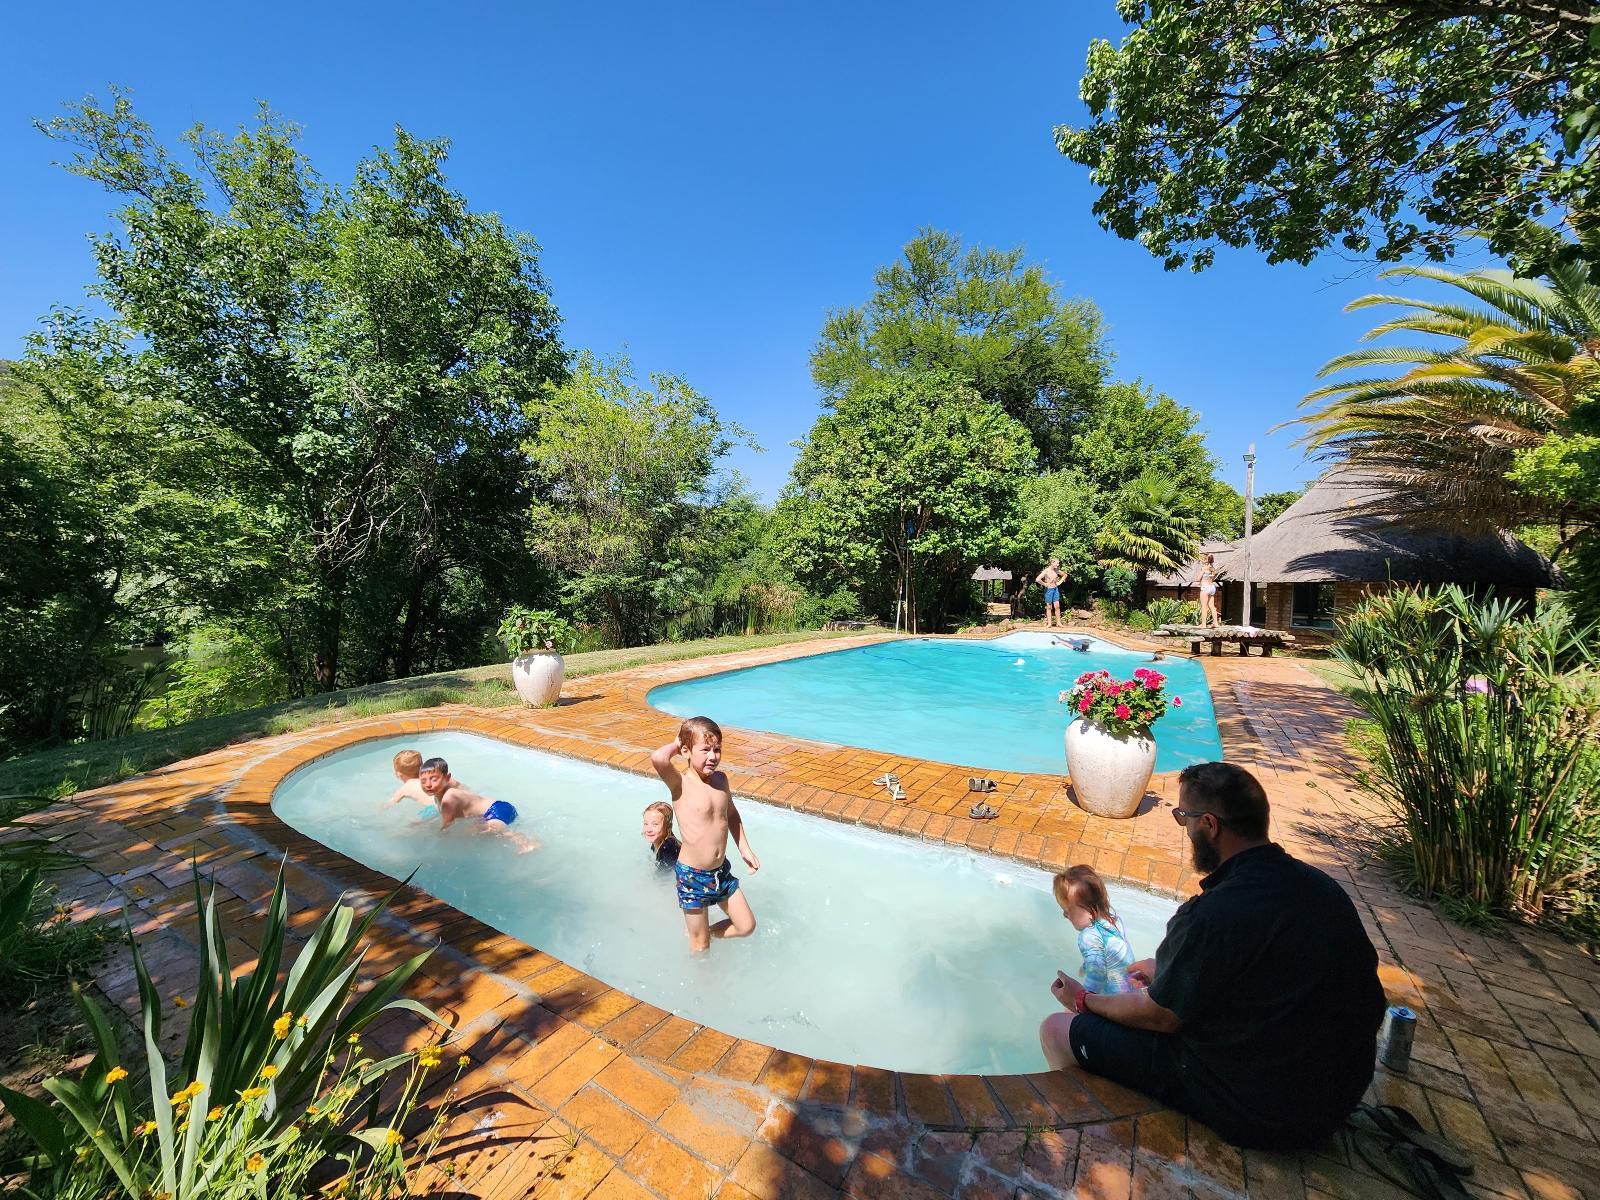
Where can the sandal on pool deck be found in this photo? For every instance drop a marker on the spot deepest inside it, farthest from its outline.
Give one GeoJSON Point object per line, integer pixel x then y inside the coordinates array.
{"type": "Point", "coordinates": [1406, 1166]}
{"type": "Point", "coordinates": [1396, 1123]}
{"type": "Point", "coordinates": [888, 779]}
{"type": "Point", "coordinates": [977, 783]}
{"type": "Point", "coordinates": [896, 792]}
{"type": "Point", "coordinates": [983, 812]}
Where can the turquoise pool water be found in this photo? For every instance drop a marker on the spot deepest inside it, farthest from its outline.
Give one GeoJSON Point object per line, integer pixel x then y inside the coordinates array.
{"type": "Point", "coordinates": [870, 948]}
{"type": "Point", "coordinates": [990, 705]}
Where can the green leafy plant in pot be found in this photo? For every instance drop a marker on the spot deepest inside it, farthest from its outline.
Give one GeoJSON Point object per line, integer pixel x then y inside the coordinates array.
{"type": "Point", "coordinates": [535, 638]}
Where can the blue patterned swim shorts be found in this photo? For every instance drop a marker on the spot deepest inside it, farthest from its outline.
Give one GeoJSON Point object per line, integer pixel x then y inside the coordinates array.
{"type": "Point", "coordinates": [699, 889]}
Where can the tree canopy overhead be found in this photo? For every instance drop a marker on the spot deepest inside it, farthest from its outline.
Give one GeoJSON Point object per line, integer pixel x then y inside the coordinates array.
{"type": "Point", "coordinates": [983, 314]}
{"type": "Point", "coordinates": [1381, 126]}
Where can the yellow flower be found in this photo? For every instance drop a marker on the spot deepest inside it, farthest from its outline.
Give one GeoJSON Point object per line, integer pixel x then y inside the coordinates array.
{"type": "Point", "coordinates": [254, 1163]}
{"type": "Point", "coordinates": [268, 1071]}
{"type": "Point", "coordinates": [115, 1075]}
{"type": "Point", "coordinates": [429, 1058]}
{"type": "Point", "coordinates": [215, 1114]}
{"type": "Point", "coordinates": [146, 1129]}
{"type": "Point", "coordinates": [299, 1022]}
{"type": "Point", "coordinates": [463, 1061]}
{"type": "Point", "coordinates": [83, 1153]}
{"type": "Point", "coordinates": [254, 1093]}
{"type": "Point", "coordinates": [354, 1039]}
{"type": "Point", "coordinates": [392, 1138]}
{"type": "Point", "coordinates": [180, 1002]}
{"type": "Point", "coordinates": [281, 1027]}
{"type": "Point", "coordinates": [339, 1185]}
{"type": "Point", "coordinates": [99, 1133]}
{"type": "Point", "coordinates": [183, 1124]}
{"type": "Point", "coordinates": [188, 1093]}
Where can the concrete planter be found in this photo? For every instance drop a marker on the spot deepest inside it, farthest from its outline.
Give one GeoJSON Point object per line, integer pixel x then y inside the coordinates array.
{"type": "Point", "coordinates": [538, 677]}
{"type": "Point", "coordinates": [1109, 773]}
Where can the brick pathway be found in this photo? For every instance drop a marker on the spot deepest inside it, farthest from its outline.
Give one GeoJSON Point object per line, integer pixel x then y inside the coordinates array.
{"type": "Point", "coordinates": [578, 1090]}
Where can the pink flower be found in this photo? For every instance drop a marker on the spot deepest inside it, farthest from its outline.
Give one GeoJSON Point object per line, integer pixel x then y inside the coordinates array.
{"type": "Point", "coordinates": [1083, 705]}
{"type": "Point", "coordinates": [1177, 702]}
{"type": "Point", "coordinates": [1123, 712]}
{"type": "Point", "coordinates": [1140, 672]}
{"type": "Point", "coordinates": [1151, 685]}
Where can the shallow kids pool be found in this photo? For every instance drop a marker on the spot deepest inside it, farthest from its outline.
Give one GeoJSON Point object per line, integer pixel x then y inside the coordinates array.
{"type": "Point", "coordinates": [990, 705]}
{"type": "Point", "coordinates": [871, 948]}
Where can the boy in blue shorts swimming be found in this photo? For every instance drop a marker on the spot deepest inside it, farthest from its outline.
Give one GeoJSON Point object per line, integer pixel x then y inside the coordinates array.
{"type": "Point", "coordinates": [456, 803]}
{"type": "Point", "coordinates": [707, 818]}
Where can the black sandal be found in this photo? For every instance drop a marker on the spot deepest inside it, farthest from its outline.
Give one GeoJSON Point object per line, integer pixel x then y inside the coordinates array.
{"type": "Point", "coordinates": [1392, 1121]}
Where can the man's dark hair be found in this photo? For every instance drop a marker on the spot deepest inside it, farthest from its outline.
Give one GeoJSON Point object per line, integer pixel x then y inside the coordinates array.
{"type": "Point", "coordinates": [1232, 793]}
{"type": "Point", "coordinates": [435, 764]}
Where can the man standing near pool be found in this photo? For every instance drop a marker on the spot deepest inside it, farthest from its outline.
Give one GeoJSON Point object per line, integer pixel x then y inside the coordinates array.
{"type": "Point", "coordinates": [1051, 579]}
{"type": "Point", "coordinates": [1262, 1008]}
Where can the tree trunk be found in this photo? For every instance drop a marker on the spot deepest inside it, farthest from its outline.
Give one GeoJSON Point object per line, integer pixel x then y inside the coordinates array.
{"type": "Point", "coordinates": [405, 647]}
{"type": "Point", "coordinates": [328, 624]}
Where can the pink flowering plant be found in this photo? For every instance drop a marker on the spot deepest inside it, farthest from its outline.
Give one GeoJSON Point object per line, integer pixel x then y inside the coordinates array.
{"type": "Point", "coordinates": [1121, 707]}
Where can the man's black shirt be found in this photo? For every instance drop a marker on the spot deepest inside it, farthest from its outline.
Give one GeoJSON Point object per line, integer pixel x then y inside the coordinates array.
{"type": "Point", "coordinates": [1276, 983]}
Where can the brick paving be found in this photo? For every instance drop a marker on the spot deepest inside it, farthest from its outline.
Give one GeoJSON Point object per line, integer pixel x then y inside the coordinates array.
{"type": "Point", "coordinates": [579, 1090]}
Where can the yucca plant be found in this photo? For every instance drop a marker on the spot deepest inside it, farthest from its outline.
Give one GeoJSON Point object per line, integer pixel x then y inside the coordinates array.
{"type": "Point", "coordinates": [257, 1052]}
{"type": "Point", "coordinates": [1486, 723]}
{"type": "Point", "coordinates": [25, 857]}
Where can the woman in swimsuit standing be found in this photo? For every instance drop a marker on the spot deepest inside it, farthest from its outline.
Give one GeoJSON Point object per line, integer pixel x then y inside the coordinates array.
{"type": "Point", "coordinates": [1208, 593]}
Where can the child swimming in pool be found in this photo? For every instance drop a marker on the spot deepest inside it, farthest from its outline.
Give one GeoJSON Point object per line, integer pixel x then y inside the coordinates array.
{"type": "Point", "coordinates": [1107, 957]}
{"type": "Point", "coordinates": [707, 818]}
{"type": "Point", "coordinates": [408, 769]}
{"type": "Point", "coordinates": [658, 832]}
{"type": "Point", "coordinates": [457, 803]}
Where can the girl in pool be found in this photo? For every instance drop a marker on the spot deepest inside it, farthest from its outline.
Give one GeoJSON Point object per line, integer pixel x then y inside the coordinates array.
{"type": "Point", "coordinates": [658, 832]}
{"type": "Point", "coordinates": [1107, 956]}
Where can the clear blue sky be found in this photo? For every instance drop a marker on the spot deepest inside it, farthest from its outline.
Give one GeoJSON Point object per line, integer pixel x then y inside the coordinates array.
{"type": "Point", "coordinates": [706, 180]}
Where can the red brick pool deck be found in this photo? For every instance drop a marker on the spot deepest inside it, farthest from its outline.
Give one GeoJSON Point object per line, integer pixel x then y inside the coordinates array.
{"type": "Point", "coordinates": [579, 1090]}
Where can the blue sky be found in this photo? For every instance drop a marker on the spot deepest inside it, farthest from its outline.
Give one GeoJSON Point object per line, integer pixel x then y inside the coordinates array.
{"type": "Point", "coordinates": [706, 180]}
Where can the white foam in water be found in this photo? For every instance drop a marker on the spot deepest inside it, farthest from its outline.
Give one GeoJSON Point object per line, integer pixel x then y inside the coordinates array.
{"type": "Point", "coordinates": [871, 948]}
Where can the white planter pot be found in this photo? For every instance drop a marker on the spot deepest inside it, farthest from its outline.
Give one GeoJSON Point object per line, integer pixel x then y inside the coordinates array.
{"type": "Point", "coordinates": [538, 677]}
{"type": "Point", "coordinates": [1109, 774]}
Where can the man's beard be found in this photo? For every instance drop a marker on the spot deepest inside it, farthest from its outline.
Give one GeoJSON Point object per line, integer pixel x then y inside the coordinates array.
{"type": "Point", "coordinates": [1204, 854]}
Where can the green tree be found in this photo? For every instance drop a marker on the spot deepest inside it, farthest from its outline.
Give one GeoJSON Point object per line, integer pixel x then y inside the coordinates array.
{"type": "Point", "coordinates": [354, 343]}
{"type": "Point", "coordinates": [626, 485]}
{"type": "Point", "coordinates": [984, 315]}
{"type": "Point", "coordinates": [1151, 527]}
{"type": "Point", "coordinates": [902, 489]}
{"type": "Point", "coordinates": [1303, 125]}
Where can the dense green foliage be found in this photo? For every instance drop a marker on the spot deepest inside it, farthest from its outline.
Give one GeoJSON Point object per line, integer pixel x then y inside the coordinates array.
{"type": "Point", "coordinates": [1152, 527]}
{"type": "Point", "coordinates": [1485, 750]}
{"type": "Point", "coordinates": [1303, 125]}
{"type": "Point", "coordinates": [909, 481]}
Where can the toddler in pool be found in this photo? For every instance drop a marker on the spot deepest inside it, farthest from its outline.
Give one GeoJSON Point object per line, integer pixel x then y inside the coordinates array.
{"type": "Point", "coordinates": [658, 832]}
{"type": "Point", "coordinates": [1102, 941]}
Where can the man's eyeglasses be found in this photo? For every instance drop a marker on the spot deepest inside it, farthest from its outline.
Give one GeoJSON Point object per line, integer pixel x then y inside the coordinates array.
{"type": "Point", "coordinates": [1180, 814]}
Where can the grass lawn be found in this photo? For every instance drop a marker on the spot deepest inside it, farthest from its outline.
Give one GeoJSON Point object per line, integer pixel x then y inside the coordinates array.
{"type": "Point", "coordinates": [69, 769]}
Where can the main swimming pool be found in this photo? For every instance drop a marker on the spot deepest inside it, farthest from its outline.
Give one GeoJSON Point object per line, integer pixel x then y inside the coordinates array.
{"type": "Point", "coordinates": [990, 705]}
{"type": "Point", "coordinates": [870, 948]}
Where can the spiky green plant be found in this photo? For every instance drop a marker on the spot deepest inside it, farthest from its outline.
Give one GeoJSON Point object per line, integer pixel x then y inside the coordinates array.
{"type": "Point", "coordinates": [1151, 527]}
{"type": "Point", "coordinates": [1484, 748]}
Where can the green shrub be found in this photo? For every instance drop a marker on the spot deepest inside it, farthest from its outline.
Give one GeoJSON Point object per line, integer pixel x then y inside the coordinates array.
{"type": "Point", "coordinates": [1482, 727]}
{"type": "Point", "coordinates": [222, 670]}
{"type": "Point", "coordinates": [1168, 610]}
{"type": "Point", "coordinates": [274, 1086]}
{"type": "Point", "coordinates": [1114, 612]}
{"type": "Point", "coordinates": [1141, 622]}
{"type": "Point", "coordinates": [1117, 581]}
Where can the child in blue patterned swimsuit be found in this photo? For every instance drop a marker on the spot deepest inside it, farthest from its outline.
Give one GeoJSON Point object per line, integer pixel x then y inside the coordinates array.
{"type": "Point", "coordinates": [1101, 939]}
{"type": "Point", "coordinates": [707, 818]}
{"type": "Point", "coordinates": [456, 803]}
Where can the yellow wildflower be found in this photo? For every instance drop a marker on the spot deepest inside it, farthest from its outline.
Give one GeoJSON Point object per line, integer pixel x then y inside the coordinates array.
{"type": "Point", "coordinates": [189, 1093]}
{"type": "Point", "coordinates": [354, 1039]}
{"type": "Point", "coordinates": [299, 1022]}
{"type": "Point", "coordinates": [146, 1129]}
{"type": "Point", "coordinates": [429, 1058]}
{"type": "Point", "coordinates": [99, 1133]}
{"type": "Point", "coordinates": [463, 1061]}
{"type": "Point", "coordinates": [254, 1163]}
{"type": "Point", "coordinates": [180, 1002]}
{"type": "Point", "coordinates": [281, 1027]}
{"type": "Point", "coordinates": [392, 1138]}
{"type": "Point", "coordinates": [116, 1075]}
{"type": "Point", "coordinates": [268, 1071]}
{"type": "Point", "coordinates": [83, 1153]}
{"type": "Point", "coordinates": [215, 1114]}
{"type": "Point", "coordinates": [183, 1124]}
{"type": "Point", "coordinates": [254, 1093]}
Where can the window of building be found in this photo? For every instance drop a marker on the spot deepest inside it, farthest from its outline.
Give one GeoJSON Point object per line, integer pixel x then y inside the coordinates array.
{"type": "Point", "coordinates": [1313, 606]}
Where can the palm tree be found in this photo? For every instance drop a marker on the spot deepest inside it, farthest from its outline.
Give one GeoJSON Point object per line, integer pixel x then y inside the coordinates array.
{"type": "Point", "coordinates": [1151, 528]}
{"type": "Point", "coordinates": [1512, 361]}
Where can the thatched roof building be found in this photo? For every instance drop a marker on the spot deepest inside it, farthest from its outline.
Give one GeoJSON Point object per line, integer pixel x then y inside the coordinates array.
{"type": "Point", "coordinates": [1336, 544]}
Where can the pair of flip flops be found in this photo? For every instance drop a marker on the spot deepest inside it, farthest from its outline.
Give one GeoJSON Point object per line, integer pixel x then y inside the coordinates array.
{"type": "Point", "coordinates": [983, 812]}
{"type": "Point", "coordinates": [1393, 1143]}
{"type": "Point", "coordinates": [891, 781]}
{"type": "Point", "coordinates": [977, 783]}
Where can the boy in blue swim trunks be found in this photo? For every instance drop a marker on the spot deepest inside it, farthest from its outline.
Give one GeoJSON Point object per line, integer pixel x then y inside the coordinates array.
{"type": "Point", "coordinates": [707, 818]}
{"type": "Point", "coordinates": [1051, 579]}
{"type": "Point", "coordinates": [456, 803]}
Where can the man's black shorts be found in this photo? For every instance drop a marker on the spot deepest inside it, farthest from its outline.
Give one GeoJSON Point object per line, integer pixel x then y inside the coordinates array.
{"type": "Point", "coordinates": [1137, 1058]}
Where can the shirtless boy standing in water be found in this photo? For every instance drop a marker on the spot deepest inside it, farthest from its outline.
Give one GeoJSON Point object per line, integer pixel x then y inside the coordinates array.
{"type": "Point", "coordinates": [706, 819]}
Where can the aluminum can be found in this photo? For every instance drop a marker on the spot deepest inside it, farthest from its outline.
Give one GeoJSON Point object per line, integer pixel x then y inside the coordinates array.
{"type": "Point", "coordinates": [1400, 1031]}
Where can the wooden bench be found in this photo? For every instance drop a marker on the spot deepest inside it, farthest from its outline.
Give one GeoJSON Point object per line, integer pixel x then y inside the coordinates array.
{"type": "Point", "coordinates": [1196, 635]}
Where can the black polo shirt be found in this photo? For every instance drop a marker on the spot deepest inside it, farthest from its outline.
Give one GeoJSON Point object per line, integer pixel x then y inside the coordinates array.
{"type": "Point", "coordinates": [1277, 985]}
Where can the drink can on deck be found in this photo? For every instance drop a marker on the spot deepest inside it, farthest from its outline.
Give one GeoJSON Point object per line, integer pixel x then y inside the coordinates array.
{"type": "Point", "coordinates": [1397, 1037]}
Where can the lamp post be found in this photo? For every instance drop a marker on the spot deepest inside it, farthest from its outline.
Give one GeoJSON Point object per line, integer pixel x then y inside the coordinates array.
{"type": "Point", "coordinates": [1249, 521]}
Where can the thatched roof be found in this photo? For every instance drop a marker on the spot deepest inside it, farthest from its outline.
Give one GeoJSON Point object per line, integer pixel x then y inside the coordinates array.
{"type": "Point", "coordinates": [1188, 575]}
{"type": "Point", "coordinates": [983, 574]}
{"type": "Point", "coordinates": [1338, 532]}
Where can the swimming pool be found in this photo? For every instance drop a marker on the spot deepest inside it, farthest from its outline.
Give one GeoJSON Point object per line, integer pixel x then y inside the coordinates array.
{"type": "Point", "coordinates": [990, 705]}
{"type": "Point", "coordinates": [870, 948]}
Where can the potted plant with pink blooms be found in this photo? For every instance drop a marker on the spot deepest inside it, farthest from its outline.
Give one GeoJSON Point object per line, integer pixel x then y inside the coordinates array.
{"type": "Point", "coordinates": [1110, 751]}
